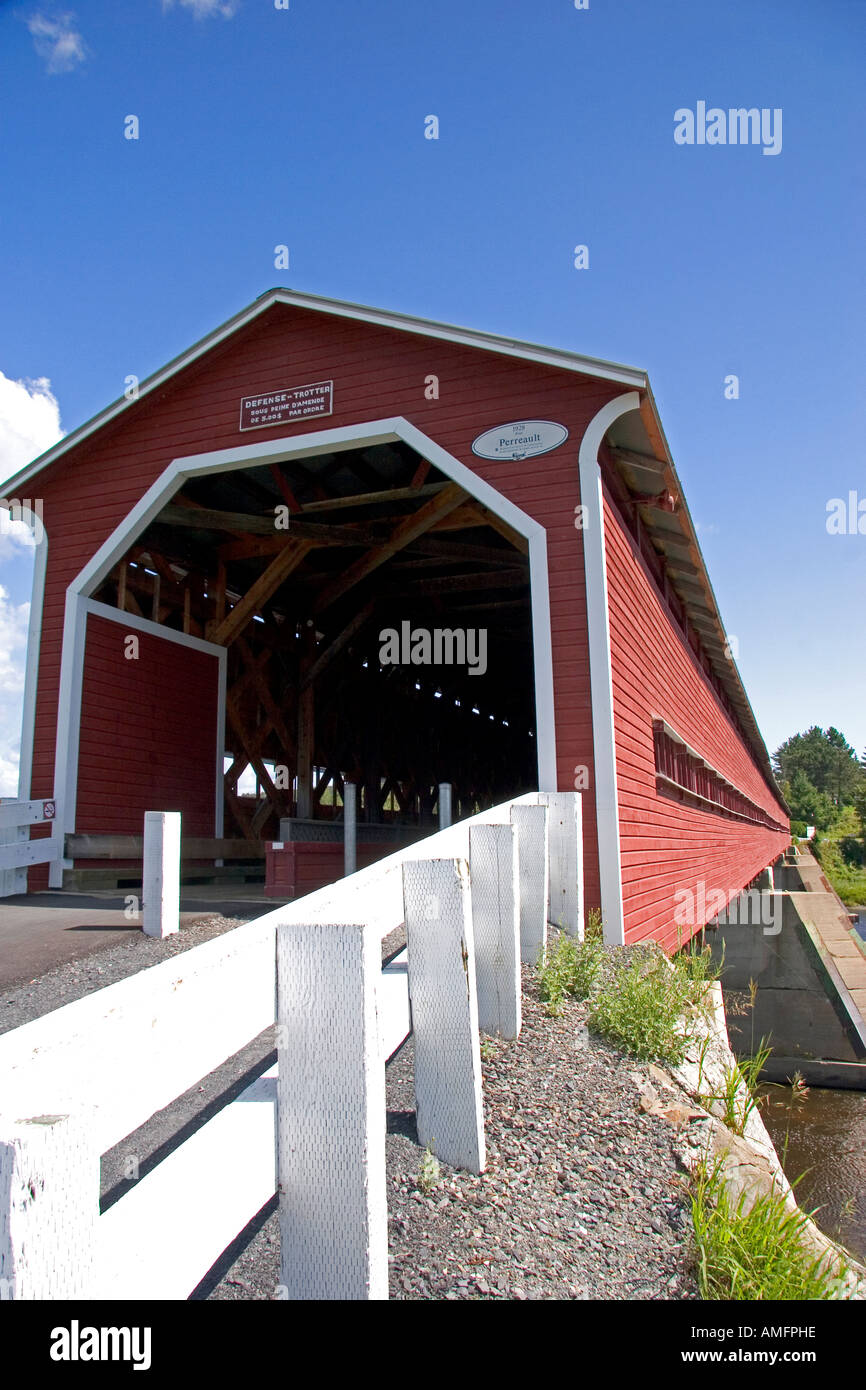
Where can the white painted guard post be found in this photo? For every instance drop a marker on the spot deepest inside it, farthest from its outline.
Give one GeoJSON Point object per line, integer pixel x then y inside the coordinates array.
{"type": "Point", "coordinates": [565, 830]}
{"type": "Point", "coordinates": [161, 877]}
{"type": "Point", "coordinates": [49, 1207]}
{"type": "Point", "coordinates": [350, 828]}
{"type": "Point", "coordinates": [493, 872]}
{"type": "Point", "coordinates": [530, 824]}
{"type": "Point", "coordinates": [441, 968]}
{"type": "Point", "coordinates": [331, 1114]}
{"type": "Point", "coordinates": [444, 805]}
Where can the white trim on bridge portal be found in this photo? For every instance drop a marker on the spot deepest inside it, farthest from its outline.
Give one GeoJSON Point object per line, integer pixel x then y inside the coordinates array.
{"type": "Point", "coordinates": [600, 673]}
{"type": "Point", "coordinates": [391, 430]}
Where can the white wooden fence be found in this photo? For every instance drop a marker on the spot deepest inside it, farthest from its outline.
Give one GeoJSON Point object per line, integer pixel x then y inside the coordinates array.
{"type": "Point", "coordinates": [17, 850]}
{"type": "Point", "coordinates": [475, 897]}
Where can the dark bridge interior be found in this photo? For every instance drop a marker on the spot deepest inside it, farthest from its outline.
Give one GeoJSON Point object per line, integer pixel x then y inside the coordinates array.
{"type": "Point", "coordinates": [299, 569]}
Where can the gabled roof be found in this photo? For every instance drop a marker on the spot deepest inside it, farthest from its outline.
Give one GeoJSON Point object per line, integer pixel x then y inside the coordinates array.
{"type": "Point", "coordinates": [406, 323]}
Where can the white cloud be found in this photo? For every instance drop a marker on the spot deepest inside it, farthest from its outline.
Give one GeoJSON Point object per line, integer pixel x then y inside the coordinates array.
{"type": "Point", "coordinates": [204, 9]}
{"type": "Point", "coordinates": [29, 422]}
{"type": "Point", "coordinates": [16, 537]}
{"type": "Point", "coordinates": [13, 645]}
{"type": "Point", "coordinates": [57, 40]}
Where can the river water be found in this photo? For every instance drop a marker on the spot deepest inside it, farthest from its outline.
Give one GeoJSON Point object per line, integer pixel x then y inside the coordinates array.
{"type": "Point", "coordinates": [823, 1137]}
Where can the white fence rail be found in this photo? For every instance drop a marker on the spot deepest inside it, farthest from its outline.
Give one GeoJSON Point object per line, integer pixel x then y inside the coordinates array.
{"type": "Point", "coordinates": [17, 850]}
{"type": "Point", "coordinates": [78, 1081]}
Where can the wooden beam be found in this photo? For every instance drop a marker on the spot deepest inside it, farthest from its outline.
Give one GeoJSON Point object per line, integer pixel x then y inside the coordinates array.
{"type": "Point", "coordinates": [645, 461]}
{"type": "Point", "coordinates": [325, 658]}
{"type": "Point", "coordinates": [253, 670]}
{"type": "Point", "coordinates": [306, 727]}
{"type": "Point", "coordinates": [473, 514]}
{"type": "Point", "coordinates": [253, 741]}
{"type": "Point", "coordinates": [366, 499]}
{"type": "Point", "coordinates": [286, 493]}
{"type": "Point", "coordinates": [210, 519]}
{"type": "Point", "coordinates": [130, 847]}
{"type": "Point", "coordinates": [265, 586]}
{"type": "Point", "coordinates": [420, 474]}
{"type": "Point", "coordinates": [219, 594]}
{"type": "Point", "coordinates": [402, 535]}
{"type": "Point", "coordinates": [312, 481]}
{"type": "Point", "coordinates": [255, 547]}
{"type": "Point", "coordinates": [452, 583]}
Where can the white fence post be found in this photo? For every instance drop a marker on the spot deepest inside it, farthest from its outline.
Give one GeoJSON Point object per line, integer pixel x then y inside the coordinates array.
{"type": "Point", "coordinates": [441, 962]}
{"type": "Point", "coordinates": [444, 805]}
{"type": "Point", "coordinates": [13, 880]}
{"type": "Point", "coordinates": [493, 872]}
{"type": "Point", "coordinates": [350, 828]}
{"type": "Point", "coordinates": [565, 830]}
{"type": "Point", "coordinates": [49, 1207]}
{"type": "Point", "coordinates": [161, 873]}
{"type": "Point", "coordinates": [331, 1114]}
{"type": "Point", "coordinates": [530, 823]}
{"type": "Point", "coordinates": [17, 850]}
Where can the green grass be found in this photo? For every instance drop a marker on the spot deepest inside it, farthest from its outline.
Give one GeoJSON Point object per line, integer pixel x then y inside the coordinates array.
{"type": "Point", "coordinates": [738, 1088]}
{"type": "Point", "coordinates": [652, 1007]}
{"type": "Point", "coordinates": [648, 1006]}
{"type": "Point", "coordinates": [569, 967]}
{"type": "Point", "coordinates": [429, 1172]}
{"type": "Point", "coordinates": [848, 880]}
{"type": "Point", "coordinates": [755, 1255]}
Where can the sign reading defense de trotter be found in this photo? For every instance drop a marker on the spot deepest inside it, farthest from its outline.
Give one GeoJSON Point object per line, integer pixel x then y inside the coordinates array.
{"type": "Point", "coordinates": [520, 439]}
{"type": "Point", "coordinates": [294, 403]}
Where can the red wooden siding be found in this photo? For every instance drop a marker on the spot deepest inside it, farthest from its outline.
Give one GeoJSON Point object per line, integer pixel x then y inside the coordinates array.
{"type": "Point", "coordinates": [148, 733]}
{"type": "Point", "coordinates": [667, 844]}
{"type": "Point", "coordinates": [299, 867]}
{"type": "Point", "coordinates": [377, 373]}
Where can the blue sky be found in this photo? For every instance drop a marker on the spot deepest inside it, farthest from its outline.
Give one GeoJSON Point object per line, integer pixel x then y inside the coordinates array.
{"type": "Point", "coordinates": [305, 126]}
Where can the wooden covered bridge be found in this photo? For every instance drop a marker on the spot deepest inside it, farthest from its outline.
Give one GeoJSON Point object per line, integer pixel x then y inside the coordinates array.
{"type": "Point", "coordinates": [330, 543]}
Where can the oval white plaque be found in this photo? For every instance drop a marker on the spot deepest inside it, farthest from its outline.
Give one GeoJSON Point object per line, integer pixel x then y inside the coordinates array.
{"type": "Point", "coordinates": [520, 440]}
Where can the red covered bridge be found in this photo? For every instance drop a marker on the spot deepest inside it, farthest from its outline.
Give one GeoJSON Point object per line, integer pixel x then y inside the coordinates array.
{"type": "Point", "coordinates": [251, 565]}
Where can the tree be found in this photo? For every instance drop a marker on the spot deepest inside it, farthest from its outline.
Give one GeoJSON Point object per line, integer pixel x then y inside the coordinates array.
{"type": "Point", "coordinates": [826, 759]}
{"type": "Point", "coordinates": [808, 804]}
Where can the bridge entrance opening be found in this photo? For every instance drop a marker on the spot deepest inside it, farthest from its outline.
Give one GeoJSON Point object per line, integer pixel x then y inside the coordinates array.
{"type": "Point", "coordinates": [378, 629]}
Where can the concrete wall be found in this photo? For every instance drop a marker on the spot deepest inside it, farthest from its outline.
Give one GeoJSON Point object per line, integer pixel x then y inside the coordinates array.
{"type": "Point", "coordinates": [799, 1005]}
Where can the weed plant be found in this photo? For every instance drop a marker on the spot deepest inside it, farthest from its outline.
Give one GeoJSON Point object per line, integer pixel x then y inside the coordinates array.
{"type": "Point", "coordinates": [758, 1254]}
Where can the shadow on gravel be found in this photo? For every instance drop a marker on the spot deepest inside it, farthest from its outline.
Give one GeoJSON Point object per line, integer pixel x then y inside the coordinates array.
{"type": "Point", "coordinates": [118, 927]}
{"type": "Point", "coordinates": [402, 1122]}
{"type": "Point", "coordinates": [218, 1271]}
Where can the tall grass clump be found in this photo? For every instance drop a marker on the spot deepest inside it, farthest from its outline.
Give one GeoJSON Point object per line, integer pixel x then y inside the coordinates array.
{"type": "Point", "coordinates": [738, 1093]}
{"type": "Point", "coordinates": [651, 1007]}
{"type": "Point", "coordinates": [758, 1254]}
{"type": "Point", "coordinates": [570, 968]}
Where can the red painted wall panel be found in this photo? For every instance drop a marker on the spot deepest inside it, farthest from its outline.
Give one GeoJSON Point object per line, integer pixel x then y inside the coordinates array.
{"type": "Point", "coordinates": [667, 845]}
{"type": "Point", "coordinates": [148, 733]}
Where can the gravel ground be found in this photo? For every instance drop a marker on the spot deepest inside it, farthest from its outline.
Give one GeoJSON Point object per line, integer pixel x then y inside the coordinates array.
{"type": "Point", "coordinates": [582, 1198]}
{"type": "Point", "coordinates": [583, 1195]}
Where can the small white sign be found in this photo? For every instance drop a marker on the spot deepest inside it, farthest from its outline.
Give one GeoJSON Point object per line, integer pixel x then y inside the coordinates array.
{"type": "Point", "coordinates": [521, 439]}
